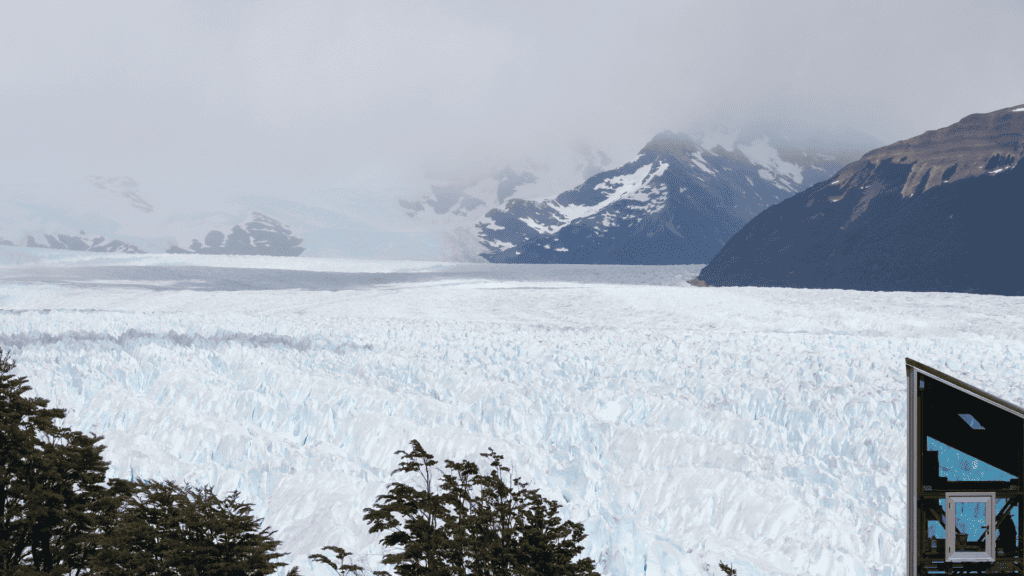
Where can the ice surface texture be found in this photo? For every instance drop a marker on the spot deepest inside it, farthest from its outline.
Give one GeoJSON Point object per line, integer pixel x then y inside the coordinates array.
{"type": "Point", "coordinates": [760, 427]}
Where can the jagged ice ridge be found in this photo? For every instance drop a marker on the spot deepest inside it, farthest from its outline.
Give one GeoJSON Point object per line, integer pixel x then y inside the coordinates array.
{"type": "Point", "coordinates": [760, 427]}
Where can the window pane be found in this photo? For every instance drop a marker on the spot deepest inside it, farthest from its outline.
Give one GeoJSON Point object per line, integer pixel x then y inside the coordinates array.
{"type": "Point", "coordinates": [970, 526]}
{"type": "Point", "coordinates": [956, 466]}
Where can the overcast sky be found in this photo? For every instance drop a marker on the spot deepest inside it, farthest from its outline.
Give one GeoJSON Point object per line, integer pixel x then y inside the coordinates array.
{"type": "Point", "coordinates": [290, 97]}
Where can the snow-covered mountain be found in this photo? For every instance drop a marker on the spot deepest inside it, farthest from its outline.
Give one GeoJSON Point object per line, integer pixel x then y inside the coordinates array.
{"type": "Point", "coordinates": [437, 219]}
{"type": "Point", "coordinates": [260, 234]}
{"type": "Point", "coordinates": [937, 212]}
{"type": "Point", "coordinates": [454, 205]}
{"type": "Point", "coordinates": [57, 216]}
{"type": "Point", "coordinates": [101, 214]}
{"type": "Point", "coordinates": [95, 214]}
{"type": "Point", "coordinates": [461, 200]}
{"type": "Point", "coordinates": [525, 178]}
{"type": "Point", "coordinates": [676, 202]}
{"type": "Point", "coordinates": [763, 428]}
{"type": "Point", "coordinates": [115, 213]}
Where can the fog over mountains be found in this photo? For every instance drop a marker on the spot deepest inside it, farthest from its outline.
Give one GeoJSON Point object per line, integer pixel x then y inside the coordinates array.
{"type": "Point", "coordinates": [676, 202]}
{"type": "Point", "coordinates": [937, 212]}
{"type": "Point", "coordinates": [116, 214]}
{"type": "Point", "coordinates": [667, 257]}
{"type": "Point", "coordinates": [771, 204]}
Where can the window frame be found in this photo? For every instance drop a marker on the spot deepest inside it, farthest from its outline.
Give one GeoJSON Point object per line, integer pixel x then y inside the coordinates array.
{"type": "Point", "coordinates": [952, 499]}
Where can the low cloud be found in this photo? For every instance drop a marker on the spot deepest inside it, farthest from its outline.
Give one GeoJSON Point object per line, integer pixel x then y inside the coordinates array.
{"type": "Point", "coordinates": [196, 98]}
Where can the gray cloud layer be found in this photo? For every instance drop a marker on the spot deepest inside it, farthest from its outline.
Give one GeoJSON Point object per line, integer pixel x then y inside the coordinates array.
{"type": "Point", "coordinates": [290, 98]}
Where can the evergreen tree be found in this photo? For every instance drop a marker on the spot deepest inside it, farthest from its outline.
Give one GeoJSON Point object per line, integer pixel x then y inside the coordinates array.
{"type": "Point", "coordinates": [413, 519]}
{"type": "Point", "coordinates": [50, 483]}
{"type": "Point", "coordinates": [473, 523]}
{"type": "Point", "coordinates": [339, 567]}
{"type": "Point", "coordinates": [511, 529]}
{"type": "Point", "coordinates": [58, 515]}
{"type": "Point", "coordinates": [163, 528]}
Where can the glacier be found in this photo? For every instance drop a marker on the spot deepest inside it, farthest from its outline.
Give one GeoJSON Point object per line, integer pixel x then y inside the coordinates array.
{"type": "Point", "coordinates": [760, 427]}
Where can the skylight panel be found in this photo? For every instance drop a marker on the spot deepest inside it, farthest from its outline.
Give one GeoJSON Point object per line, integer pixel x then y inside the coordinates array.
{"type": "Point", "coordinates": [972, 422]}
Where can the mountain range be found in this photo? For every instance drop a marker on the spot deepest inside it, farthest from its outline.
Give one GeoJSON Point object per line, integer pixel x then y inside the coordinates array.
{"type": "Point", "coordinates": [117, 213]}
{"type": "Point", "coordinates": [731, 176]}
{"type": "Point", "coordinates": [939, 212]}
{"type": "Point", "coordinates": [677, 202]}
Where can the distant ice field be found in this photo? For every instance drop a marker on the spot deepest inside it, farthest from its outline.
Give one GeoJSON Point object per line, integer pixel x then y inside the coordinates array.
{"type": "Point", "coordinates": [232, 273]}
{"type": "Point", "coordinates": [760, 427]}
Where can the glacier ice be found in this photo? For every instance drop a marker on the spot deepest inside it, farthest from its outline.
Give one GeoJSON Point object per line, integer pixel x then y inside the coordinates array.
{"type": "Point", "coordinates": [764, 428]}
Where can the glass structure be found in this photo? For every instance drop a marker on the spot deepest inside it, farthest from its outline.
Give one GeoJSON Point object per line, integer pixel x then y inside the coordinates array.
{"type": "Point", "coordinates": [965, 459]}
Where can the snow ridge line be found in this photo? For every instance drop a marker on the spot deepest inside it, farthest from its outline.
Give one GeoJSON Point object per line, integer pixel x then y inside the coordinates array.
{"type": "Point", "coordinates": [20, 340]}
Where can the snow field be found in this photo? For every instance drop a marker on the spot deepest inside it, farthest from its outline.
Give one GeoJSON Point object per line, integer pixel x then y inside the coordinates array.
{"type": "Point", "coordinates": [760, 427]}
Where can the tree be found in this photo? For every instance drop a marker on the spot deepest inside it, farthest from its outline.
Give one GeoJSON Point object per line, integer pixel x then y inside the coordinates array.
{"type": "Point", "coordinates": [164, 528]}
{"type": "Point", "coordinates": [58, 515]}
{"type": "Point", "coordinates": [339, 567]}
{"type": "Point", "coordinates": [50, 483]}
{"type": "Point", "coordinates": [423, 546]}
{"type": "Point", "coordinates": [511, 529]}
{"type": "Point", "coordinates": [473, 523]}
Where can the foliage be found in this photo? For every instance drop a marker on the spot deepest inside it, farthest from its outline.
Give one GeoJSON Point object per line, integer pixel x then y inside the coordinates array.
{"type": "Point", "coordinates": [58, 515]}
{"type": "Point", "coordinates": [339, 567]}
{"type": "Point", "coordinates": [463, 522]}
{"type": "Point", "coordinates": [50, 483]}
{"type": "Point", "coordinates": [164, 528]}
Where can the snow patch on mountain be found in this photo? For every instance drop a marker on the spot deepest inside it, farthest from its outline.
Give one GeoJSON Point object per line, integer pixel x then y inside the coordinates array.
{"type": "Point", "coordinates": [459, 201]}
{"type": "Point", "coordinates": [699, 162]}
{"type": "Point", "coordinates": [761, 153]}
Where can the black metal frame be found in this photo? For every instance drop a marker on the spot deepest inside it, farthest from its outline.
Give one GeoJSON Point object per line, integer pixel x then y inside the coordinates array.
{"type": "Point", "coordinates": [923, 500]}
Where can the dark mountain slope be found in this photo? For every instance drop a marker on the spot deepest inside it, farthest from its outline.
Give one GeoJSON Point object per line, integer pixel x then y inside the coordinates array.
{"type": "Point", "coordinates": [938, 212]}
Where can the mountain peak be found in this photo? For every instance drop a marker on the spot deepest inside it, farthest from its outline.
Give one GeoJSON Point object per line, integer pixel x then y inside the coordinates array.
{"type": "Point", "coordinates": [675, 144]}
